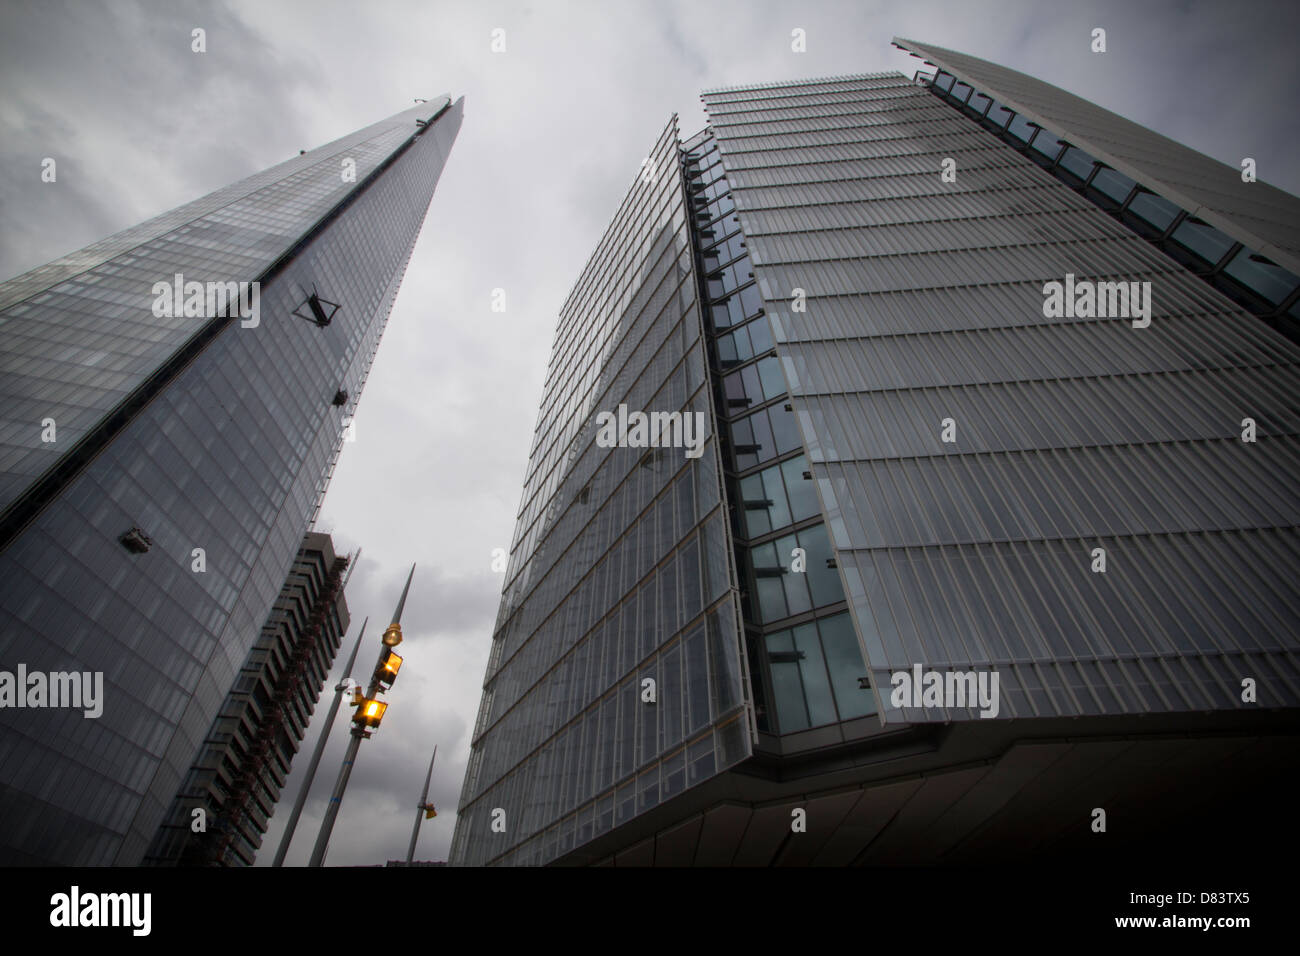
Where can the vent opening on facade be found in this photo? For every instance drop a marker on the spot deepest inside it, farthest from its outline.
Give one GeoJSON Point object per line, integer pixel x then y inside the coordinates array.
{"type": "Point", "coordinates": [136, 541]}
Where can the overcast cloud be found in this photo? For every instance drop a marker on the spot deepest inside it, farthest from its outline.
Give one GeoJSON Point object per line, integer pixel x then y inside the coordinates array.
{"type": "Point", "coordinates": [554, 132]}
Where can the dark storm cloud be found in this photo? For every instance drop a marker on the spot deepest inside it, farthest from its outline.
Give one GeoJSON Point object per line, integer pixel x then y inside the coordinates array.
{"type": "Point", "coordinates": [136, 121]}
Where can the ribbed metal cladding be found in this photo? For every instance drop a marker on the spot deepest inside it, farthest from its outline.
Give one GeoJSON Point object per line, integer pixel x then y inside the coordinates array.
{"type": "Point", "coordinates": [1262, 216]}
{"type": "Point", "coordinates": [925, 302]}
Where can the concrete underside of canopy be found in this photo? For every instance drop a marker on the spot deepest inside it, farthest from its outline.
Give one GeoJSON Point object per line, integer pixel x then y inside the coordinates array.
{"type": "Point", "coordinates": [1174, 787]}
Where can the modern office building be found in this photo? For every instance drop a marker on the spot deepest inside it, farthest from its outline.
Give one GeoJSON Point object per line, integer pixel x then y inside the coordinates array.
{"type": "Point", "coordinates": [245, 760]}
{"type": "Point", "coordinates": [990, 547]}
{"type": "Point", "coordinates": [172, 403]}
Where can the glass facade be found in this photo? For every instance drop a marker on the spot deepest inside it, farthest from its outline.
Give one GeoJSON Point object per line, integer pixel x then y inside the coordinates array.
{"type": "Point", "coordinates": [202, 433]}
{"type": "Point", "coordinates": [788, 575]}
{"type": "Point", "coordinates": [246, 757]}
{"type": "Point", "coordinates": [621, 568]}
{"type": "Point", "coordinates": [900, 303]}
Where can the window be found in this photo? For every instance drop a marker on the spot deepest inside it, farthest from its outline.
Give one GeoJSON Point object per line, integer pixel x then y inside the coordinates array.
{"type": "Point", "coordinates": [782, 592]}
{"type": "Point", "coordinates": [723, 252]}
{"type": "Point", "coordinates": [997, 116]}
{"type": "Point", "coordinates": [754, 384]}
{"type": "Point", "coordinates": [1203, 240]}
{"type": "Point", "coordinates": [815, 669]}
{"type": "Point", "coordinates": [763, 503]}
{"type": "Point", "coordinates": [845, 665]}
{"type": "Point", "coordinates": [803, 496]}
{"type": "Point", "coordinates": [1155, 212]}
{"type": "Point", "coordinates": [799, 684]}
{"type": "Point", "coordinates": [1113, 185]}
{"type": "Point", "coordinates": [1076, 164]}
{"type": "Point", "coordinates": [978, 104]}
{"type": "Point", "coordinates": [744, 343]}
{"type": "Point", "coordinates": [1020, 129]}
{"type": "Point", "coordinates": [1262, 276]}
{"type": "Point", "coordinates": [716, 209]}
{"type": "Point", "coordinates": [727, 280]}
{"type": "Point", "coordinates": [1045, 148]}
{"type": "Point", "coordinates": [777, 497]}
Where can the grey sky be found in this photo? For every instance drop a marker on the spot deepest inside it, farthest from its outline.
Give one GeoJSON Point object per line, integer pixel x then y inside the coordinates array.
{"type": "Point", "coordinates": [554, 132]}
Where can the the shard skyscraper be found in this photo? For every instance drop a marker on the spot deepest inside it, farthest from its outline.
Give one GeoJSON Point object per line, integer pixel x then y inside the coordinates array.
{"type": "Point", "coordinates": [172, 401]}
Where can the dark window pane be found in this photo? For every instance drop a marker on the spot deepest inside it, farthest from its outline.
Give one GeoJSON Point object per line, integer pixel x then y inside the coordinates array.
{"type": "Point", "coordinates": [824, 581]}
{"type": "Point", "coordinates": [760, 335]}
{"type": "Point", "coordinates": [943, 81]}
{"type": "Point", "coordinates": [1076, 162]}
{"type": "Point", "coordinates": [1203, 239]}
{"type": "Point", "coordinates": [844, 662]}
{"type": "Point", "coordinates": [1045, 147]}
{"type": "Point", "coordinates": [997, 116]}
{"type": "Point", "coordinates": [1114, 185]}
{"type": "Point", "coordinates": [785, 430]}
{"type": "Point", "coordinates": [959, 92]}
{"type": "Point", "coordinates": [977, 104]}
{"type": "Point", "coordinates": [757, 520]}
{"type": "Point", "coordinates": [727, 346]}
{"type": "Point", "coordinates": [803, 496]}
{"type": "Point", "coordinates": [769, 373]}
{"type": "Point", "coordinates": [787, 688]}
{"type": "Point", "coordinates": [774, 491]}
{"type": "Point", "coordinates": [1152, 209]}
{"type": "Point", "coordinates": [1270, 281]}
{"type": "Point", "coordinates": [812, 672]}
{"type": "Point", "coordinates": [1020, 129]}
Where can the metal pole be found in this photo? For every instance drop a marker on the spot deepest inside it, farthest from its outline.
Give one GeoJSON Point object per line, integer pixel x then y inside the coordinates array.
{"type": "Point", "coordinates": [336, 799]}
{"type": "Point", "coordinates": [301, 801]}
{"type": "Point", "coordinates": [419, 811]}
{"type": "Point", "coordinates": [359, 734]}
{"type": "Point", "coordinates": [397, 615]}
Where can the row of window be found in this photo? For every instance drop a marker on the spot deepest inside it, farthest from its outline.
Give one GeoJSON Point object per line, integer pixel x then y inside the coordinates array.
{"type": "Point", "coordinates": [1252, 280]}
{"type": "Point", "coordinates": [809, 673]}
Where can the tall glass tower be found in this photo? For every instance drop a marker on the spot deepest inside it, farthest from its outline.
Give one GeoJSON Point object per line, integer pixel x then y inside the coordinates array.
{"type": "Point", "coordinates": [1002, 391]}
{"type": "Point", "coordinates": [172, 403]}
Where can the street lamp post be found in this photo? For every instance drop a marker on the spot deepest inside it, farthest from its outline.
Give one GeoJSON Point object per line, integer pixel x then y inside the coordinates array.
{"type": "Point", "coordinates": [424, 810]}
{"type": "Point", "coordinates": [369, 712]}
